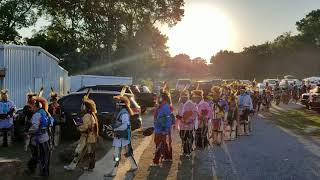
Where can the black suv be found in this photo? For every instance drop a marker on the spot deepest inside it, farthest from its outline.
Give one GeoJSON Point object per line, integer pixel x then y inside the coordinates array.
{"type": "Point", "coordinates": [105, 103]}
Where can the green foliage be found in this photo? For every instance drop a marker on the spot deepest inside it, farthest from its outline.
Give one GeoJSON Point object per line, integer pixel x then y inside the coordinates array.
{"type": "Point", "coordinates": [119, 37]}
{"type": "Point", "coordinates": [310, 27]}
{"type": "Point", "coordinates": [91, 34]}
{"type": "Point", "coordinates": [287, 54]}
{"type": "Point", "coordinates": [15, 15]}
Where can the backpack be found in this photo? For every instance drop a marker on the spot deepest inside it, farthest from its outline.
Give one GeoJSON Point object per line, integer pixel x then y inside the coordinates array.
{"type": "Point", "coordinates": [45, 120]}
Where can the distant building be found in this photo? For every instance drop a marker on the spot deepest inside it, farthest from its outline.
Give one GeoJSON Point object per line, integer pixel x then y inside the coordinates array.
{"type": "Point", "coordinates": [30, 67]}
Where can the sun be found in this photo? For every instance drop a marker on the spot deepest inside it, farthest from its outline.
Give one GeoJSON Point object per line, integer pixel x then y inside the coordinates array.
{"type": "Point", "coordinates": [202, 32]}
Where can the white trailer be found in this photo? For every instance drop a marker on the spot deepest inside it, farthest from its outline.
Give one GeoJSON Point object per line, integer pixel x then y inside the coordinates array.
{"type": "Point", "coordinates": [80, 81]}
{"type": "Point", "coordinates": [30, 67]}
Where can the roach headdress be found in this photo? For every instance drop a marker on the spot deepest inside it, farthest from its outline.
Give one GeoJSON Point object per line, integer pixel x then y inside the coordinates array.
{"type": "Point", "coordinates": [197, 92]}
{"type": "Point", "coordinates": [53, 95]}
{"type": "Point", "coordinates": [89, 103]}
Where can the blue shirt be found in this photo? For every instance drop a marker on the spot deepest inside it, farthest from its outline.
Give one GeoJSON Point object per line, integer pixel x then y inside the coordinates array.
{"type": "Point", "coordinates": [245, 101]}
{"type": "Point", "coordinates": [5, 107]}
{"type": "Point", "coordinates": [162, 121]}
{"type": "Point", "coordinates": [223, 103]}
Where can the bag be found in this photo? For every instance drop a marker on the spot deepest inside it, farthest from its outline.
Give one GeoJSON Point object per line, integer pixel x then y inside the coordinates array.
{"type": "Point", "coordinates": [121, 134]}
{"type": "Point", "coordinates": [45, 120]}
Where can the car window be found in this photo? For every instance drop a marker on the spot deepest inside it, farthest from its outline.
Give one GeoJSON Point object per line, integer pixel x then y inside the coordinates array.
{"type": "Point", "coordinates": [104, 102]}
{"type": "Point", "coordinates": [72, 101]}
{"type": "Point", "coordinates": [105, 88]}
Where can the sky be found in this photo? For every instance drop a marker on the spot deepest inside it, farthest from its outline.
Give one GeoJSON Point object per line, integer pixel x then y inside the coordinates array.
{"type": "Point", "coordinates": [212, 25]}
{"type": "Point", "coordinates": [249, 22]}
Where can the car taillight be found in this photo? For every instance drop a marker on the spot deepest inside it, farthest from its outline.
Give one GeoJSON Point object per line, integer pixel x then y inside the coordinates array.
{"type": "Point", "coordinates": [136, 110]}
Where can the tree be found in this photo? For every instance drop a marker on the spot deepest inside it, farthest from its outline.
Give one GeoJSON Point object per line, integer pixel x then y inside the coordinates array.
{"type": "Point", "coordinates": [108, 32]}
{"type": "Point", "coordinates": [15, 15]}
{"type": "Point", "coordinates": [309, 27]}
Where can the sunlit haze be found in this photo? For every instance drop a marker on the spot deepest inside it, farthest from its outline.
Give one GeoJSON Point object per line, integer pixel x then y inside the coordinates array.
{"type": "Point", "coordinates": [203, 31]}
{"type": "Point", "coordinates": [212, 25]}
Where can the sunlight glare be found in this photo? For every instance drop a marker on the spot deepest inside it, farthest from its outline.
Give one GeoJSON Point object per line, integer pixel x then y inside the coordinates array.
{"type": "Point", "coordinates": [202, 32]}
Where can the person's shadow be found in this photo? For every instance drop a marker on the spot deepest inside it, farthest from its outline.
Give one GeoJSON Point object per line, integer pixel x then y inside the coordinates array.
{"type": "Point", "coordinates": [161, 172]}
{"type": "Point", "coordinates": [185, 168]}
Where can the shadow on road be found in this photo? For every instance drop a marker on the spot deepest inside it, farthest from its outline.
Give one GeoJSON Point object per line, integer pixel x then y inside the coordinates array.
{"type": "Point", "coordinates": [159, 172]}
{"type": "Point", "coordinates": [185, 168]}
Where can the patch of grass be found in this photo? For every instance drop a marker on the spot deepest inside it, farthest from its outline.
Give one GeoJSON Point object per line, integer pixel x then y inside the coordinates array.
{"type": "Point", "coordinates": [298, 120]}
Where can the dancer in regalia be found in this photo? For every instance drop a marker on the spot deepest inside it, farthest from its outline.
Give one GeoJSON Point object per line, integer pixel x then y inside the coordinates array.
{"type": "Point", "coordinates": [7, 110]}
{"type": "Point", "coordinates": [89, 130]}
{"type": "Point", "coordinates": [187, 114]}
{"type": "Point", "coordinates": [204, 112]}
{"type": "Point", "coordinates": [162, 129]}
{"type": "Point", "coordinates": [122, 135]}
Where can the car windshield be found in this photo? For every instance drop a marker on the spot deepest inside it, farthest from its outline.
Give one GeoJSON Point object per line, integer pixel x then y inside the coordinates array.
{"type": "Point", "coordinates": [104, 102]}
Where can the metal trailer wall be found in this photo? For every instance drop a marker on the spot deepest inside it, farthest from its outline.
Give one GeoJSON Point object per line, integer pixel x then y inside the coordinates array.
{"type": "Point", "coordinates": [80, 81]}
{"type": "Point", "coordinates": [30, 68]}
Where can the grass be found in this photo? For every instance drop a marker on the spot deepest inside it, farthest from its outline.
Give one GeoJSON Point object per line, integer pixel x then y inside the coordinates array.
{"type": "Point", "coordinates": [298, 120]}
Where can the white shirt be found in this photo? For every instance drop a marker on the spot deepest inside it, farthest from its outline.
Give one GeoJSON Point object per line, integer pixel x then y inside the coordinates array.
{"type": "Point", "coordinates": [120, 142]}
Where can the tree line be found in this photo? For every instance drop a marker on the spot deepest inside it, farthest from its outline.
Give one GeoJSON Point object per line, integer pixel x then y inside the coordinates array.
{"type": "Point", "coordinates": [297, 55]}
{"type": "Point", "coordinates": [120, 37]}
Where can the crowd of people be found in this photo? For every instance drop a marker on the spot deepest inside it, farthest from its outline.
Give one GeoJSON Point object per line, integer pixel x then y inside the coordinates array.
{"type": "Point", "coordinates": [224, 114]}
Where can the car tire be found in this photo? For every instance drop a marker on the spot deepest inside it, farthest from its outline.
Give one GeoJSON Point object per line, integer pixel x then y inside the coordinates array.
{"type": "Point", "coordinates": [105, 134]}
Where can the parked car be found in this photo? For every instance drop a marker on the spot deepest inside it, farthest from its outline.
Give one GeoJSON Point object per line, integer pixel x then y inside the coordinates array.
{"type": "Point", "coordinates": [106, 108]}
{"type": "Point", "coordinates": [290, 81]}
{"type": "Point", "coordinates": [313, 81]}
{"type": "Point", "coordinates": [305, 99]}
{"type": "Point", "coordinates": [313, 101]}
{"type": "Point", "coordinates": [261, 87]}
{"type": "Point", "coordinates": [144, 97]}
{"type": "Point", "coordinates": [106, 88]}
{"type": "Point", "coordinates": [271, 82]}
